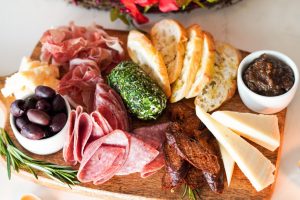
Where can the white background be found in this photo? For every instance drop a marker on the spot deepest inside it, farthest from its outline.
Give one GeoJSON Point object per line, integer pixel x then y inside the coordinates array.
{"type": "Point", "coordinates": [250, 25]}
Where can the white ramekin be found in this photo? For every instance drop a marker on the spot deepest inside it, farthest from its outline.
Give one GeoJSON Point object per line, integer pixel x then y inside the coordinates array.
{"type": "Point", "coordinates": [44, 146]}
{"type": "Point", "coordinates": [265, 104]}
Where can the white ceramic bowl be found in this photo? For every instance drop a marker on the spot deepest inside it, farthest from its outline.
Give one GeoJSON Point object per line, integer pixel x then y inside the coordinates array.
{"type": "Point", "coordinates": [44, 146]}
{"type": "Point", "coordinates": [265, 104]}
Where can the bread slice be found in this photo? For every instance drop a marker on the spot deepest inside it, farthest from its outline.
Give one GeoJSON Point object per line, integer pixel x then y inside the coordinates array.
{"type": "Point", "coordinates": [206, 70]}
{"type": "Point", "coordinates": [223, 83]}
{"type": "Point", "coordinates": [169, 37]}
{"type": "Point", "coordinates": [142, 52]}
{"type": "Point", "coordinates": [191, 64]}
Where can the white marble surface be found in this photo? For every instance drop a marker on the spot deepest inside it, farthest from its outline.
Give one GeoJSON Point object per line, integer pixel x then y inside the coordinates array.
{"type": "Point", "coordinates": [250, 25]}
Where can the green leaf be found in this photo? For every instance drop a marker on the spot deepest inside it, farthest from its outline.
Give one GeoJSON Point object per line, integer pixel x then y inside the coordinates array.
{"type": "Point", "coordinates": [124, 19]}
{"type": "Point", "coordinates": [8, 165]}
{"type": "Point", "coordinates": [199, 3]}
{"type": "Point", "coordinates": [212, 1]}
{"type": "Point", "coordinates": [114, 14]}
{"type": "Point", "coordinates": [147, 8]}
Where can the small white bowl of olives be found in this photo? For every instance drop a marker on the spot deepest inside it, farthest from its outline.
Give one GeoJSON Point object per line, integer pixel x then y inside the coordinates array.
{"type": "Point", "coordinates": [39, 121]}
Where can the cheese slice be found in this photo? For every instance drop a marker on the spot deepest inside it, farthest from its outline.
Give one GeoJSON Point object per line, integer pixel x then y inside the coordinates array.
{"type": "Point", "coordinates": [228, 163]}
{"type": "Point", "coordinates": [261, 129]}
{"type": "Point", "coordinates": [256, 167]}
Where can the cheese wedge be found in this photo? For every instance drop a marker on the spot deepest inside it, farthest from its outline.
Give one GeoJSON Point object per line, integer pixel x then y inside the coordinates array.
{"type": "Point", "coordinates": [228, 163]}
{"type": "Point", "coordinates": [261, 129]}
{"type": "Point", "coordinates": [256, 167]}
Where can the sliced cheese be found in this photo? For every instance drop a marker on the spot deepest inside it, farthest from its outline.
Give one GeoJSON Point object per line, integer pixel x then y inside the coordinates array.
{"type": "Point", "coordinates": [228, 163]}
{"type": "Point", "coordinates": [256, 167]}
{"type": "Point", "coordinates": [261, 129]}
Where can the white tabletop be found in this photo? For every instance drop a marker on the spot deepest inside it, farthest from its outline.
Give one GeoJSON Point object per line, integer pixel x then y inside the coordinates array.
{"type": "Point", "coordinates": [249, 25]}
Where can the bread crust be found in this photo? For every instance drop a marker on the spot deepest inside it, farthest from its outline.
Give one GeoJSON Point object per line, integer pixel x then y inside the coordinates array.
{"type": "Point", "coordinates": [191, 64]}
{"type": "Point", "coordinates": [142, 52]}
{"type": "Point", "coordinates": [206, 70]}
{"type": "Point", "coordinates": [224, 87]}
{"type": "Point", "coordinates": [161, 31]}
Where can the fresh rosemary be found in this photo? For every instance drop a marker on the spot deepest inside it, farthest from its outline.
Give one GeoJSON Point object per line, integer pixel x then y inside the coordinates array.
{"type": "Point", "coordinates": [15, 159]}
{"type": "Point", "coordinates": [191, 194]}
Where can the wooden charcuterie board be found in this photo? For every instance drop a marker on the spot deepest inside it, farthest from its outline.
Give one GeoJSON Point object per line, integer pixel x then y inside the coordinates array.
{"type": "Point", "coordinates": [134, 187]}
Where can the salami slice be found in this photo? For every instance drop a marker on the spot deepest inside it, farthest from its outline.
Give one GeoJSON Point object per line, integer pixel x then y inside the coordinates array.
{"type": "Point", "coordinates": [155, 165]}
{"type": "Point", "coordinates": [153, 135]}
{"type": "Point", "coordinates": [100, 125]}
{"type": "Point", "coordinates": [104, 157]}
{"type": "Point", "coordinates": [69, 144]}
{"type": "Point", "coordinates": [83, 130]}
{"type": "Point", "coordinates": [140, 154]}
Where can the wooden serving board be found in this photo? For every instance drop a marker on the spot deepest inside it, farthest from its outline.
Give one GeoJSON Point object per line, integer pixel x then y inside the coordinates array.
{"type": "Point", "coordinates": [132, 186]}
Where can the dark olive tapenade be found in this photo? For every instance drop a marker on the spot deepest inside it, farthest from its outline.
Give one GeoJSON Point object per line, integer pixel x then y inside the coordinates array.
{"type": "Point", "coordinates": [268, 76]}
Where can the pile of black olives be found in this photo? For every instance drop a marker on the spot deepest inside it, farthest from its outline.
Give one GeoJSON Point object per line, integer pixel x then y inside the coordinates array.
{"type": "Point", "coordinates": [40, 116]}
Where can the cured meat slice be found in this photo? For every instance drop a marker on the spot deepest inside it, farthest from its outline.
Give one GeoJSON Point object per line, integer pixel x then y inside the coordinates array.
{"type": "Point", "coordinates": [69, 144]}
{"type": "Point", "coordinates": [140, 154]}
{"type": "Point", "coordinates": [153, 135]}
{"type": "Point", "coordinates": [62, 44]}
{"type": "Point", "coordinates": [83, 130]}
{"type": "Point", "coordinates": [108, 103]}
{"type": "Point", "coordinates": [155, 165]}
{"type": "Point", "coordinates": [100, 125]}
{"type": "Point", "coordinates": [104, 157]}
{"type": "Point", "coordinates": [79, 85]}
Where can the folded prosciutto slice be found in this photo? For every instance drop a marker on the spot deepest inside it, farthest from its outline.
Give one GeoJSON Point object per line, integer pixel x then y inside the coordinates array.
{"type": "Point", "coordinates": [79, 85]}
{"type": "Point", "coordinates": [61, 45]}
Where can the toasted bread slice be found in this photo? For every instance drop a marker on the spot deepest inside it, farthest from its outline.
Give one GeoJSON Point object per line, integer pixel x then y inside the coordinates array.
{"type": "Point", "coordinates": [169, 37]}
{"type": "Point", "coordinates": [142, 52]}
{"type": "Point", "coordinates": [223, 83]}
{"type": "Point", "coordinates": [191, 64]}
{"type": "Point", "coordinates": [206, 70]}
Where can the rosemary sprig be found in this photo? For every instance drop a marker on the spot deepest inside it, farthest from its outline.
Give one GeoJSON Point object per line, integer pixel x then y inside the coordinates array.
{"type": "Point", "coordinates": [191, 194]}
{"type": "Point", "coordinates": [15, 159]}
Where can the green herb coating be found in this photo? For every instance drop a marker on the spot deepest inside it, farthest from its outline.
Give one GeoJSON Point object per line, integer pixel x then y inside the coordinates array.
{"type": "Point", "coordinates": [142, 96]}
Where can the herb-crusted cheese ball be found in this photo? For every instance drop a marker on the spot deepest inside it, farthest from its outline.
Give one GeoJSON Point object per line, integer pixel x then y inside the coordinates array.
{"type": "Point", "coordinates": [143, 97]}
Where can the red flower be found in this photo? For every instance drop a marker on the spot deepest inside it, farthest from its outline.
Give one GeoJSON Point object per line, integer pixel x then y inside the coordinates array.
{"type": "Point", "coordinates": [134, 11]}
{"type": "Point", "coordinates": [164, 6]}
{"type": "Point", "coordinates": [167, 5]}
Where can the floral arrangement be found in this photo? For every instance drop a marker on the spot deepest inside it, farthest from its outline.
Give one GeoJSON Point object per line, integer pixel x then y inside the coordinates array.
{"type": "Point", "coordinates": [134, 10]}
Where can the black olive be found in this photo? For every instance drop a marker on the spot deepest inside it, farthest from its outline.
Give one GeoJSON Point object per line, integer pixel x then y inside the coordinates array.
{"type": "Point", "coordinates": [44, 92]}
{"type": "Point", "coordinates": [17, 108]}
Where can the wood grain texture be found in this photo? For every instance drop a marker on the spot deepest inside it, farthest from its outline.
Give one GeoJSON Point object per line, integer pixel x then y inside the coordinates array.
{"type": "Point", "coordinates": [134, 187]}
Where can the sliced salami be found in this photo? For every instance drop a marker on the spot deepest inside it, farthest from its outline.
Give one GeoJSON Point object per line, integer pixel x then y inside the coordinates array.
{"type": "Point", "coordinates": [83, 130]}
{"type": "Point", "coordinates": [69, 144]}
{"type": "Point", "coordinates": [138, 151]}
{"type": "Point", "coordinates": [100, 125]}
{"type": "Point", "coordinates": [104, 157]}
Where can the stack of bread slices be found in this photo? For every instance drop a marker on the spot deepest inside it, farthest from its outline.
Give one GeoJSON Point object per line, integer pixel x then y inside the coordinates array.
{"type": "Point", "coordinates": [186, 63]}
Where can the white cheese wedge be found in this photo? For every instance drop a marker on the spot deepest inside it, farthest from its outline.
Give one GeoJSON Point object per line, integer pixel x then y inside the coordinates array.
{"type": "Point", "coordinates": [228, 163]}
{"type": "Point", "coordinates": [261, 129]}
{"type": "Point", "coordinates": [256, 167]}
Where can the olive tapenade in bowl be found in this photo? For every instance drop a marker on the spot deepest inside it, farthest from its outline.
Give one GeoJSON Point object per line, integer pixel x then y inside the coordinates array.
{"type": "Point", "coordinates": [267, 81]}
{"type": "Point", "coordinates": [39, 121]}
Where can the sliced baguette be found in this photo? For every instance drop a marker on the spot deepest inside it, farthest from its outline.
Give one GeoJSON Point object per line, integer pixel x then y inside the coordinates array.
{"type": "Point", "coordinates": [191, 64]}
{"type": "Point", "coordinates": [223, 84]}
{"type": "Point", "coordinates": [142, 52]}
{"type": "Point", "coordinates": [206, 70]}
{"type": "Point", "coordinates": [169, 37]}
